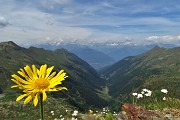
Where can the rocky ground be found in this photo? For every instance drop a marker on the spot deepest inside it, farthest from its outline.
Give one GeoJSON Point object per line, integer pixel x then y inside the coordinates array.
{"type": "Point", "coordinates": [131, 112]}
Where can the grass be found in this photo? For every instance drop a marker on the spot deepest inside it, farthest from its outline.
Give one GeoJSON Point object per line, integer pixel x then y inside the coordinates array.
{"type": "Point", "coordinates": [157, 100]}
{"type": "Point", "coordinates": [104, 93]}
{"type": "Point", "coordinates": [12, 110]}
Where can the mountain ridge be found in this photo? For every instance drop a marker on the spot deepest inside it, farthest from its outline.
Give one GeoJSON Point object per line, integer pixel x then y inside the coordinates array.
{"type": "Point", "coordinates": [82, 77]}
{"type": "Point", "coordinates": [131, 74]}
{"type": "Point", "coordinates": [100, 55]}
{"type": "Point", "coordinates": [95, 58]}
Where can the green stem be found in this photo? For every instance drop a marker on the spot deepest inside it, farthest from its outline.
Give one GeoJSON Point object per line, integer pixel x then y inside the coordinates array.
{"type": "Point", "coordinates": [41, 107]}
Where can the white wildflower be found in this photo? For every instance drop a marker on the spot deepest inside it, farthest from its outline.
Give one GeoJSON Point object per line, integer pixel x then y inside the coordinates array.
{"type": "Point", "coordinates": [75, 113]}
{"type": "Point", "coordinates": [90, 111]}
{"type": "Point", "coordinates": [164, 98]}
{"type": "Point", "coordinates": [52, 112]}
{"type": "Point", "coordinates": [139, 96]}
{"type": "Point", "coordinates": [134, 94]}
{"type": "Point", "coordinates": [148, 93]}
{"type": "Point", "coordinates": [164, 91]}
{"type": "Point", "coordinates": [74, 118]}
{"type": "Point", "coordinates": [145, 90]}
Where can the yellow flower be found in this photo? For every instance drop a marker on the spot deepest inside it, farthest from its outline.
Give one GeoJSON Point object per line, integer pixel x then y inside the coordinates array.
{"type": "Point", "coordinates": [34, 82]}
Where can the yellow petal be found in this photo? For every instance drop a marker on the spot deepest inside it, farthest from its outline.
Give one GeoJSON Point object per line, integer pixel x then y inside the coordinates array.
{"type": "Point", "coordinates": [44, 95]}
{"type": "Point", "coordinates": [28, 99]}
{"type": "Point", "coordinates": [28, 86]}
{"type": "Point", "coordinates": [24, 75]}
{"type": "Point", "coordinates": [30, 90]}
{"type": "Point", "coordinates": [16, 82]}
{"type": "Point", "coordinates": [49, 71]}
{"type": "Point", "coordinates": [14, 86]}
{"type": "Point", "coordinates": [59, 73]}
{"type": "Point", "coordinates": [19, 79]}
{"type": "Point", "coordinates": [29, 71]}
{"type": "Point", "coordinates": [34, 72]}
{"type": "Point", "coordinates": [21, 97]}
{"type": "Point", "coordinates": [61, 88]}
{"type": "Point", "coordinates": [21, 73]}
{"type": "Point", "coordinates": [51, 76]}
{"type": "Point", "coordinates": [59, 77]}
{"type": "Point", "coordinates": [53, 84]}
{"type": "Point", "coordinates": [36, 99]}
{"type": "Point", "coordinates": [43, 71]}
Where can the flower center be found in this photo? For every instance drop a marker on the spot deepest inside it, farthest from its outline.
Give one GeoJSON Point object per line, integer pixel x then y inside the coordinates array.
{"type": "Point", "coordinates": [41, 83]}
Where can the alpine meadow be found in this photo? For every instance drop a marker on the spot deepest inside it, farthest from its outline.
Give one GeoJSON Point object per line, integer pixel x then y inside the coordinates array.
{"type": "Point", "coordinates": [90, 60]}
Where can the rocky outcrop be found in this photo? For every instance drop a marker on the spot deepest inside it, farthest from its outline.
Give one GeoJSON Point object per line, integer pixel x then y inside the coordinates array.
{"type": "Point", "coordinates": [132, 112]}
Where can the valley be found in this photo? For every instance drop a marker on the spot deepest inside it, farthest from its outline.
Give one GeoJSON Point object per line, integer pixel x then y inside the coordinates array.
{"type": "Point", "coordinates": [111, 86]}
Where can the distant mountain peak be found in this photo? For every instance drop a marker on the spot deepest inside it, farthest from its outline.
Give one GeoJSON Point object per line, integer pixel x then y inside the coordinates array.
{"type": "Point", "coordinates": [10, 44]}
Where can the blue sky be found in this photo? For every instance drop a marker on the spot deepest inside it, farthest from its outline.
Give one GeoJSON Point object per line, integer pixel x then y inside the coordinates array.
{"type": "Point", "coordinates": [30, 22]}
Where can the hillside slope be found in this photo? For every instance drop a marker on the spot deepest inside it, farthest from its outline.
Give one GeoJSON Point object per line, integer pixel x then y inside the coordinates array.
{"type": "Point", "coordinates": [156, 69]}
{"type": "Point", "coordinates": [82, 78]}
{"type": "Point", "coordinates": [93, 57]}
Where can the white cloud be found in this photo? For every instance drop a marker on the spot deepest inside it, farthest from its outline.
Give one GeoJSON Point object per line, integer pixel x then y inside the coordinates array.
{"type": "Point", "coordinates": [34, 21]}
{"type": "Point", "coordinates": [3, 22]}
{"type": "Point", "coordinates": [163, 39]}
{"type": "Point", "coordinates": [52, 4]}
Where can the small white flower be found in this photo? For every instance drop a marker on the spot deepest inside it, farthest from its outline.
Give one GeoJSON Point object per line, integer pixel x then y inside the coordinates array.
{"type": "Point", "coordinates": [139, 96]}
{"type": "Point", "coordinates": [52, 112]}
{"type": "Point", "coordinates": [90, 111]}
{"type": "Point", "coordinates": [60, 116]}
{"type": "Point", "coordinates": [145, 90]}
{"type": "Point", "coordinates": [66, 110]}
{"type": "Point", "coordinates": [164, 98]}
{"type": "Point", "coordinates": [74, 118]}
{"type": "Point", "coordinates": [134, 94]}
{"type": "Point", "coordinates": [164, 91]}
{"type": "Point", "coordinates": [115, 114]}
{"type": "Point", "coordinates": [142, 92]}
{"type": "Point", "coordinates": [75, 113]}
{"type": "Point", "coordinates": [148, 93]}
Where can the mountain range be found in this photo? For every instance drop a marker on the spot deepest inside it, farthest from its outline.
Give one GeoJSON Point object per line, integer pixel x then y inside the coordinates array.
{"type": "Point", "coordinates": [100, 55]}
{"type": "Point", "coordinates": [95, 58]}
{"type": "Point", "coordinates": [155, 69]}
{"type": "Point", "coordinates": [82, 78]}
